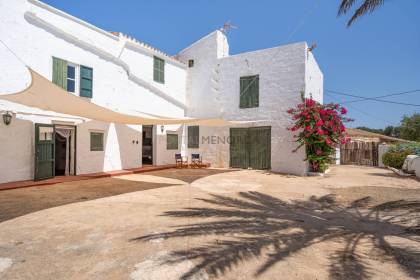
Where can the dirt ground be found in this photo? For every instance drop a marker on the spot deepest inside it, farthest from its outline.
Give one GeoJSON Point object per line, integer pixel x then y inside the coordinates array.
{"type": "Point", "coordinates": [18, 202]}
{"type": "Point", "coordinates": [354, 223]}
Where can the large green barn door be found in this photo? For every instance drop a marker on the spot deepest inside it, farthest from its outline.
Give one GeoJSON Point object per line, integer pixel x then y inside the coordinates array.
{"type": "Point", "coordinates": [260, 147]}
{"type": "Point", "coordinates": [250, 147]}
{"type": "Point", "coordinates": [44, 151]}
{"type": "Point", "coordinates": [239, 152]}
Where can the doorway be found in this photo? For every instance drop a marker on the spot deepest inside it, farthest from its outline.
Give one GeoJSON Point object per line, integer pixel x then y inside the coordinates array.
{"type": "Point", "coordinates": [250, 147]}
{"type": "Point", "coordinates": [65, 150]}
{"type": "Point", "coordinates": [60, 155]}
{"type": "Point", "coordinates": [147, 144]}
{"type": "Point", "coordinates": [55, 151]}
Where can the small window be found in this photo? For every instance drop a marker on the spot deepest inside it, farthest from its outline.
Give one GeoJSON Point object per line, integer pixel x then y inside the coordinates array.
{"type": "Point", "coordinates": [46, 133]}
{"type": "Point", "coordinates": [191, 63]}
{"type": "Point", "coordinates": [158, 70]}
{"type": "Point", "coordinates": [193, 137]}
{"type": "Point", "coordinates": [71, 78]}
{"type": "Point", "coordinates": [96, 141]}
{"type": "Point", "coordinates": [172, 141]}
{"type": "Point", "coordinates": [249, 92]}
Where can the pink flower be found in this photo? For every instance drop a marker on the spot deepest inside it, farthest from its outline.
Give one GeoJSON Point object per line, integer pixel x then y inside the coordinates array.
{"type": "Point", "coordinates": [319, 123]}
{"type": "Point", "coordinates": [328, 141]}
{"type": "Point", "coordinates": [318, 152]}
{"type": "Point", "coordinates": [308, 128]}
{"type": "Point", "coordinates": [309, 102]}
{"type": "Point", "coordinates": [343, 111]}
{"type": "Point", "coordinates": [320, 131]}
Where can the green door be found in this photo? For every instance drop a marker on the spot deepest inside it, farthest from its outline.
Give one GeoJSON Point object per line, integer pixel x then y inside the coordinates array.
{"type": "Point", "coordinates": [260, 147]}
{"type": "Point", "coordinates": [239, 156]}
{"type": "Point", "coordinates": [250, 147]}
{"type": "Point", "coordinates": [44, 151]}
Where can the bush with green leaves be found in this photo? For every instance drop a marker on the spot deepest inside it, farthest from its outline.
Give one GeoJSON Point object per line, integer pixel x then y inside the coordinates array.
{"type": "Point", "coordinates": [397, 154]}
{"type": "Point", "coordinates": [395, 159]}
{"type": "Point", "coordinates": [412, 148]}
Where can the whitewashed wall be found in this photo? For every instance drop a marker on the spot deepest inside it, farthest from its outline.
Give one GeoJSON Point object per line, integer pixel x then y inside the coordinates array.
{"type": "Point", "coordinates": [17, 143]}
{"type": "Point", "coordinates": [314, 79]}
{"type": "Point", "coordinates": [203, 88]}
{"type": "Point", "coordinates": [213, 83]}
{"type": "Point", "coordinates": [122, 81]}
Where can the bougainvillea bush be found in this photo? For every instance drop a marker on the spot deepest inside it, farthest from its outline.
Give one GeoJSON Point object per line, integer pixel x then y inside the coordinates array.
{"type": "Point", "coordinates": [320, 128]}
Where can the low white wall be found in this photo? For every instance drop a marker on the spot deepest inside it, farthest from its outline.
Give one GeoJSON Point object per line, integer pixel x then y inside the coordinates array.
{"type": "Point", "coordinates": [382, 149]}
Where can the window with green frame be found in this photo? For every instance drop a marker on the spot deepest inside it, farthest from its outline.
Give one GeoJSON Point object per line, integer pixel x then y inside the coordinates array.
{"type": "Point", "coordinates": [249, 91]}
{"type": "Point", "coordinates": [158, 70]}
{"type": "Point", "coordinates": [172, 141]}
{"type": "Point", "coordinates": [64, 76]}
{"type": "Point", "coordinates": [96, 141]}
{"type": "Point", "coordinates": [193, 137]}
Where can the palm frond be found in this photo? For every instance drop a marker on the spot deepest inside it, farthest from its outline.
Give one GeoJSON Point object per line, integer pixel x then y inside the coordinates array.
{"type": "Point", "coordinates": [345, 6]}
{"type": "Point", "coordinates": [367, 7]}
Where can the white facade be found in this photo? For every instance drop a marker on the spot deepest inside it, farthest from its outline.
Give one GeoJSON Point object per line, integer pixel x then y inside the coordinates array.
{"type": "Point", "coordinates": [123, 81]}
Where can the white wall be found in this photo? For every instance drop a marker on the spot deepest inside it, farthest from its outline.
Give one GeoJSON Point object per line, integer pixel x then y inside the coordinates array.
{"type": "Point", "coordinates": [213, 91]}
{"type": "Point", "coordinates": [314, 79]}
{"type": "Point", "coordinates": [382, 149]}
{"type": "Point", "coordinates": [16, 150]}
{"type": "Point", "coordinates": [119, 150]}
{"type": "Point", "coordinates": [122, 81]}
{"type": "Point", "coordinates": [203, 89]}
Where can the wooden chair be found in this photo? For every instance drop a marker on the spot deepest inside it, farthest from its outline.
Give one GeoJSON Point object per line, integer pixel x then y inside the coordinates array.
{"type": "Point", "coordinates": [180, 161]}
{"type": "Point", "coordinates": [196, 161]}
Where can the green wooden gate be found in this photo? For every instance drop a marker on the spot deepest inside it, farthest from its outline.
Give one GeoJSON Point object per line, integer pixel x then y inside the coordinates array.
{"type": "Point", "coordinates": [44, 151]}
{"type": "Point", "coordinates": [239, 155]}
{"type": "Point", "coordinates": [250, 147]}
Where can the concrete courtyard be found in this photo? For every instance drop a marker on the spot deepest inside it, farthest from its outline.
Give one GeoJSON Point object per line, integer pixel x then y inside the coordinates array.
{"type": "Point", "coordinates": [354, 223]}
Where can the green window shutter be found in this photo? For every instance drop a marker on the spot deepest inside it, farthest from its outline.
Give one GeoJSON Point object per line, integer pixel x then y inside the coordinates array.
{"type": "Point", "coordinates": [59, 73]}
{"type": "Point", "coordinates": [96, 141]}
{"type": "Point", "coordinates": [249, 92]}
{"type": "Point", "coordinates": [193, 137]}
{"type": "Point", "coordinates": [172, 141]}
{"type": "Point", "coordinates": [158, 70]}
{"type": "Point", "coordinates": [86, 81]}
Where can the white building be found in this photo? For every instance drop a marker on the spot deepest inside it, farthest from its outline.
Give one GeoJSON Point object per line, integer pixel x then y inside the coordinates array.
{"type": "Point", "coordinates": [125, 75]}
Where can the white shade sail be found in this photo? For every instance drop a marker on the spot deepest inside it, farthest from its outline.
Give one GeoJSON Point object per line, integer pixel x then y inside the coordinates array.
{"type": "Point", "coordinates": [43, 94]}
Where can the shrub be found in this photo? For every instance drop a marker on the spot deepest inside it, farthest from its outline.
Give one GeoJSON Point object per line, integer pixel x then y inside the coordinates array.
{"type": "Point", "coordinates": [395, 158]}
{"type": "Point", "coordinates": [412, 148]}
{"type": "Point", "coordinates": [396, 154]}
{"type": "Point", "coordinates": [320, 129]}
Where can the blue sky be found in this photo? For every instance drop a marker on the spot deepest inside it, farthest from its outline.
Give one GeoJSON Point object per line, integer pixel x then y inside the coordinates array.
{"type": "Point", "coordinates": [378, 55]}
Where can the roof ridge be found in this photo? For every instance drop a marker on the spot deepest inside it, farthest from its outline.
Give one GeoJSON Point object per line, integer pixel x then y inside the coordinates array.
{"type": "Point", "coordinates": [144, 44]}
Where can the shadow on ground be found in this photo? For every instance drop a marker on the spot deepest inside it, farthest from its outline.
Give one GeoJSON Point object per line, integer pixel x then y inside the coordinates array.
{"type": "Point", "coordinates": [253, 224]}
{"type": "Point", "coordinates": [19, 202]}
{"type": "Point", "coordinates": [394, 175]}
{"type": "Point", "coordinates": [188, 175]}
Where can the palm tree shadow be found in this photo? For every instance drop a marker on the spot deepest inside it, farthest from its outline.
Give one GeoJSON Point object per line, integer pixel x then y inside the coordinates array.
{"type": "Point", "coordinates": [255, 223]}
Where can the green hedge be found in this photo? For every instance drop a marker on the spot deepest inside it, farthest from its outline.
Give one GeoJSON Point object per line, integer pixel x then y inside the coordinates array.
{"type": "Point", "coordinates": [395, 158]}
{"type": "Point", "coordinates": [413, 148]}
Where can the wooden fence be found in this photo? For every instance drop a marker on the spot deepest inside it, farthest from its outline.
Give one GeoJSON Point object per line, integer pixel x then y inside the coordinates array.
{"type": "Point", "coordinates": [360, 153]}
